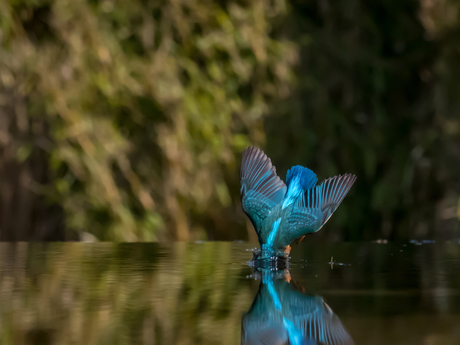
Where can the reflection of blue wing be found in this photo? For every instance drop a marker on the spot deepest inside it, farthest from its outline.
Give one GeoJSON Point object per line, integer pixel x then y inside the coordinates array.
{"type": "Point", "coordinates": [315, 319]}
{"type": "Point", "coordinates": [312, 209]}
{"type": "Point", "coordinates": [324, 327]}
{"type": "Point", "coordinates": [261, 188]}
{"type": "Point", "coordinates": [267, 334]}
{"type": "Point", "coordinates": [281, 314]}
{"type": "Point", "coordinates": [295, 335]}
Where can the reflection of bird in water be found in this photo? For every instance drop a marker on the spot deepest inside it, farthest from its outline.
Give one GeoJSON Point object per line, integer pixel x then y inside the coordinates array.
{"type": "Point", "coordinates": [282, 315]}
{"type": "Point", "coordinates": [282, 214]}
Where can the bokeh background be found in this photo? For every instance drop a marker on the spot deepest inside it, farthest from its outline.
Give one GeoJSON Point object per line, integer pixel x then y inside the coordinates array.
{"type": "Point", "coordinates": [125, 120]}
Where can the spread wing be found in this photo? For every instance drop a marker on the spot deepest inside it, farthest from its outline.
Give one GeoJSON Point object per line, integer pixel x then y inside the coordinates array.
{"type": "Point", "coordinates": [261, 187]}
{"type": "Point", "coordinates": [314, 208]}
{"type": "Point", "coordinates": [334, 190]}
{"type": "Point", "coordinates": [323, 327]}
{"type": "Point", "coordinates": [263, 334]}
{"type": "Point", "coordinates": [305, 216]}
{"type": "Point", "coordinates": [315, 319]}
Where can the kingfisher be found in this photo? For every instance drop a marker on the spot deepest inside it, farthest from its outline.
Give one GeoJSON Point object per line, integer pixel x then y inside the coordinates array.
{"type": "Point", "coordinates": [283, 213]}
{"type": "Point", "coordinates": [283, 314]}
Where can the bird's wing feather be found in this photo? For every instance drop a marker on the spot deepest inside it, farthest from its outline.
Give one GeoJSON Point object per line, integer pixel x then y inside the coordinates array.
{"type": "Point", "coordinates": [261, 187]}
{"type": "Point", "coordinates": [304, 217]}
{"type": "Point", "coordinates": [316, 320]}
{"type": "Point", "coordinates": [256, 206]}
{"type": "Point", "coordinates": [267, 334]}
{"type": "Point", "coordinates": [324, 327]}
{"type": "Point", "coordinates": [334, 190]}
{"type": "Point", "coordinates": [321, 202]}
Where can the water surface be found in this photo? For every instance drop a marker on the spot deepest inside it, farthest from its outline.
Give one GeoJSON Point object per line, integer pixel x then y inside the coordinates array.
{"type": "Point", "coordinates": [198, 293]}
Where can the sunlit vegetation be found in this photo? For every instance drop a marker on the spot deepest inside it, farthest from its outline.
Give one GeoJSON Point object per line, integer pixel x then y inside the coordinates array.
{"type": "Point", "coordinates": [125, 120]}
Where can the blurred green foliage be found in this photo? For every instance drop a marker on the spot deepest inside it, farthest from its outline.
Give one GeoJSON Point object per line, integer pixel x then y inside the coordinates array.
{"type": "Point", "coordinates": [125, 120]}
{"type": "Point", "coordinates": [138, 109]}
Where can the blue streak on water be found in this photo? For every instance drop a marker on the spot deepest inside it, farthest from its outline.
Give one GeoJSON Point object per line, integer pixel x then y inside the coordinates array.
{"type": "Point", "coordinates": [295, 336]}
{"type": "Point", "coordinates": [274, 295]}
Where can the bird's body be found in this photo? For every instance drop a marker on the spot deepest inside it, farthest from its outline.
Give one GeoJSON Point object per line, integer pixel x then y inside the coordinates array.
{"type": "Point", "coordinates": [284, 213]}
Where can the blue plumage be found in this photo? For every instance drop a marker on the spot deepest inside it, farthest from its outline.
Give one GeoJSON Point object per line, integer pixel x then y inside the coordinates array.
{"type": "Point", "coordinates": [282, 214]}
{"type": "Point", "coordinates": [281, 314]}
{"type": "Point", "coordinates": [305, 176]}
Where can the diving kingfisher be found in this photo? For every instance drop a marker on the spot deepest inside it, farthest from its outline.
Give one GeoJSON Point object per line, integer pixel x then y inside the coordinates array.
{"type": "Point", "coordinates": [283, 213]}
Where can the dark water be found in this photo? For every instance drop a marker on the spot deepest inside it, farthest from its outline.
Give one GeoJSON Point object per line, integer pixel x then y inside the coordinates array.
{"type": "Point", "coordinates": [76, 293]}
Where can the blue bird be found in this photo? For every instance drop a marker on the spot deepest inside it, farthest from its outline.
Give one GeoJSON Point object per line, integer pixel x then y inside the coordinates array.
{"type": "Point", "coordinates": [283, 213]}
{"type": "Point", "coordinates": [280, 314]}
